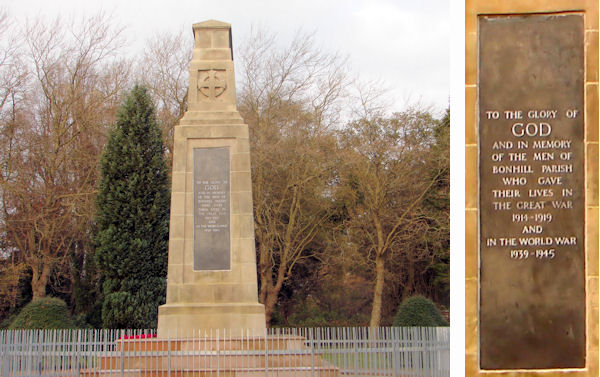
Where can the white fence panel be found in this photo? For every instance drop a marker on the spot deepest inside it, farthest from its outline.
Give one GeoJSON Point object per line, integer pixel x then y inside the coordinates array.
{"type": "Point", "coordinates": [302, 352]}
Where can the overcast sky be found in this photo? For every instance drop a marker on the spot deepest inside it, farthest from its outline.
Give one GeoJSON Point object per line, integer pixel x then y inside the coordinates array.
{"type": "Point", "coordinates": [404, 43]}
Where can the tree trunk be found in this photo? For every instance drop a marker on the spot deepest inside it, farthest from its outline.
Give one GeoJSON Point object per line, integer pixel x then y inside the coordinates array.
{"type": "Point", "coordinates": [265, 282]}
{"type": "Point", "coordinates": [272, 295]}
{"type": "Point", "coordinates": [270, 302]}
{"type": "Point", "coordinates": [266, 294]}
{"type": "Point", "coordinates": [378, 292]}
{"type": "Point", "coordinates": [39, 280]}
{"type": "Point", "coordinates": [410, 281]}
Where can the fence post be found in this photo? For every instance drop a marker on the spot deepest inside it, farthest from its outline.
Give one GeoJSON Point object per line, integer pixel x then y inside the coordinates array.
{"type": "Point", "coordinates": [168, 353]}
{"type": "Point", "coordinates": [266, 352]}
{"type": "Point", "coordinates": [312, 351]}
{"type": "Point", "coordinates": [77, 345]}
{"type": "Point", "coordinates": [3, 352]}
{"type": "Point", "coordinates": [395, 338]}
{"type": "Point", "coordinates": [122, 339]}
{"type": "Point", "coordinates": [278, 351]}
{"type": "Point", "coordinates": [218, 354]}
{"type": "Point", "coordinates": [41, 359]}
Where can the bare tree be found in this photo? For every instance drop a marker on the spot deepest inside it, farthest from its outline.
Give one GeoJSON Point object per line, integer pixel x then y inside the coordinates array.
{"type": "Point", "coordinates": [12, 73]}
{"type": "Point", "coordinates": [164, 71]}
{"type": "Point", "coordinates": [290, 99]}
{"type": "Point", "coordinates": [74, 83]}
{"type": "Point", "coordinates": [382, 183]}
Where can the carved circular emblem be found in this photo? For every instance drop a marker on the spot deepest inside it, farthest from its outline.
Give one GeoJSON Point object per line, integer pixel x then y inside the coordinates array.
{"type": "Point", "coordinates": [212, 83]}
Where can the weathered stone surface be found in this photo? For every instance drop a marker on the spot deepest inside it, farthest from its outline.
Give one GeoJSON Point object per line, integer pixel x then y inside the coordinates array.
{"type": "Point", "coordinates": [531, 174]}
{"type": "Point", "coordinates": [211, 274]}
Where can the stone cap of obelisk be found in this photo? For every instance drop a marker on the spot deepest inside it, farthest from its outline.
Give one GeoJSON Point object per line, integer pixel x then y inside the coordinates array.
{"type": "Point", "coordinates": [212, 79]}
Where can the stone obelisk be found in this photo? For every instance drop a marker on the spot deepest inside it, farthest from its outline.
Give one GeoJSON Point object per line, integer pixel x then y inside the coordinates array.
{"type": "Point", "coordinates": [211, 281]}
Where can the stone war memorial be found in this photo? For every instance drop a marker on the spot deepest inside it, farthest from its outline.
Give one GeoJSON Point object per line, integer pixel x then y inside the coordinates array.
{"type": "Point", "coordinates": [212, 324]}
{"type": "Point", "coordinates": [531, 220]}
{"type": "Point", "coordinates": [211, 279]}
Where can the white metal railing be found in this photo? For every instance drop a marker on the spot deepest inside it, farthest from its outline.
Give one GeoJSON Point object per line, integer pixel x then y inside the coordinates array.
{"type": "Point", "coordinates": [327, 351]}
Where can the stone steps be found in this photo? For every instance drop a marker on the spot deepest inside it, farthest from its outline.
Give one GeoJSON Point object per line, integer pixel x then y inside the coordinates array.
{"type": "Point", "coordinates": [203, 360]}
{"type": "Point", "coordinates": [284, 342]}
{"type": "Point", "coordinates": [249, 372]}
{"type": "Point", "coordinates": [207, 357]}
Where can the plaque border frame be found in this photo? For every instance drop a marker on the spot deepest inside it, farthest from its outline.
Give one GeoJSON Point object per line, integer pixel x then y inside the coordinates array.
{"type": "Point", "coordinates": [585, 177]}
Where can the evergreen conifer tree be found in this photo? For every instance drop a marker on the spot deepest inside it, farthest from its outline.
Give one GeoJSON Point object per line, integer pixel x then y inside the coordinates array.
{"type": "Point", "coordinates": [133, 217]}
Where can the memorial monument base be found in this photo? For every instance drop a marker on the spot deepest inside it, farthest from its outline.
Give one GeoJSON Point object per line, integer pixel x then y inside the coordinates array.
{"type": "Point", "coordinates": [187, 320]}
{"type": "Point", "coordinates": [221, 355]}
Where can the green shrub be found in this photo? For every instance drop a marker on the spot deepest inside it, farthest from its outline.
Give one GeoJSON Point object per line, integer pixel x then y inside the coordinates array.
{"type": "Point", "coordinates": [7, 321]}
{"type": "Point", "coordinates": [311, 313]}
{"type": "Point", "coordinates": [44, 313]}
{"type": "Point", "coordinates": [419, 311]}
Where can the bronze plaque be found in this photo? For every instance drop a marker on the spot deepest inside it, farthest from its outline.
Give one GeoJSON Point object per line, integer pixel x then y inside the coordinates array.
{"type": "Point", "coordinates": [211, 209]}
{"type": "Point", "coordinates": [531, 193]}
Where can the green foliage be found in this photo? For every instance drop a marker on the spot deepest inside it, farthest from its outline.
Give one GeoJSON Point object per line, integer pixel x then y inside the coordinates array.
{"type": "Point", "coordinates": [310, 314]}
{"type": "Point", "coordinates": [44, 313]}
{"type": "Point", "coordinates": [419, 311]}
{"type": "Point", "coordinates": [87, 292]}
{"type": "Point", "coordinates": [133, 217]}
{"type": "Point", "coordinates": [437, 206]}
{"type": "Point", "coordinates": [7, 321]}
